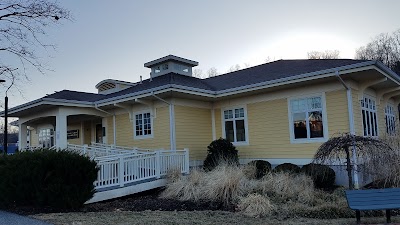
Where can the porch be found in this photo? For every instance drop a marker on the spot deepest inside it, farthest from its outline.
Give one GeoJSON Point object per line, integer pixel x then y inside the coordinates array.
{"type": "Point", "coordinates": [124, 171]}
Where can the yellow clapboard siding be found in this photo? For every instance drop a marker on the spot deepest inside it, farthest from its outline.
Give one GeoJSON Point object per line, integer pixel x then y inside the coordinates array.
{"type": "Point", "coordinates": [268, 128]}
{"type": "Point", "coordinates": [110, 130]}
{"type": "Point", "coordinates": [161, 137]}
{"type": "Point", "coordinates": [218, 124]}
{"type": "Point", "coordinates": [34, 138]}
{"type": "Point", "coordinates": [381, 119]}
{"type": "Point", "coordinates": [193, 130]}
{"type": "Point", "coordinates": [357, 113]}
{"type": "Point", "coordinates": [337, 113]}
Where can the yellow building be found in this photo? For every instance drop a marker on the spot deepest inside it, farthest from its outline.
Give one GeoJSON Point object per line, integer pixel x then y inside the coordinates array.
{"type": "Point", "coordinates": [280, 111]}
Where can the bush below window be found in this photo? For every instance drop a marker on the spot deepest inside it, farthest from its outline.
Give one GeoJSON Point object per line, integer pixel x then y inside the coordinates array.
{"type": "Point", "coordinates": [322, 175]}
{"type": "Point", "coordinates": [262, 168]}
{"type": "Point", "coordinates": [287, 167]}
{"type": "Point", "coordinates": [220, 151]}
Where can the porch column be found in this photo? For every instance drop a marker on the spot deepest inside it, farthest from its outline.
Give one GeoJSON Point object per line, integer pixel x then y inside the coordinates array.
{"type": "Point", "coordinates": [22, 134]}
{"type": "Point", "coordinates": [61, 130]}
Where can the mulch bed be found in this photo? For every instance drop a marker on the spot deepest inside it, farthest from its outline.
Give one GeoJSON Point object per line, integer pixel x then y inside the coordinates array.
{"type": "Point", "coordinates": [148, 200]}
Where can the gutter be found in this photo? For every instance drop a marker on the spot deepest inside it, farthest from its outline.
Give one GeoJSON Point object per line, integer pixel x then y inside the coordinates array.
{"type": "Point", "coordinates": [172, 131]}
{"type": "Point", "coordinates": [351, 128]}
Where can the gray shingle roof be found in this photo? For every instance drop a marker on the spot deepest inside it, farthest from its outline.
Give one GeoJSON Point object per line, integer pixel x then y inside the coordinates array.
{"type": "Point", "coordinates": [275, 70]}
{"type": "Point", "coordinates": [76, 96]}
{"type": "Point", "coordinates": [266, 72]}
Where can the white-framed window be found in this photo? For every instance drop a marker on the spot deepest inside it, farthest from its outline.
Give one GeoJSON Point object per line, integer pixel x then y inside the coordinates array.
{"type": "Point", "coordinates": [46, 137]}
{"type": "Point", "coordinates": [390, 119]}
{"type": "Point", "coordinates": [307, 118]}
{"type": "Point", "coordinates": [143, 125]}
{"type": "Point", "coordinates": [369, 118]}
{"type": "Point", "coordinates": [235, 125]}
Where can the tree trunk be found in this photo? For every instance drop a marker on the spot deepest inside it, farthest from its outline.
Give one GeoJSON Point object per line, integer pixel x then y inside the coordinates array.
{"type": "Point", "coordinates": [349, 168]}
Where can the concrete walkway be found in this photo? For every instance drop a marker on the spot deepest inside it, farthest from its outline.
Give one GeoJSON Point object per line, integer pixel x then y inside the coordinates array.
{"type": "Point", "coordinates": [7, 218]}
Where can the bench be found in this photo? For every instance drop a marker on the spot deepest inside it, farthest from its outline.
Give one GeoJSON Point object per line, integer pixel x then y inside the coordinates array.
{"type": "Point", "coordinates": [374, 199]}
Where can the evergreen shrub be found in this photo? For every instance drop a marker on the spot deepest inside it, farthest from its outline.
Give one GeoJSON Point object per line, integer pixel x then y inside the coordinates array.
{"type": "Point", "coordinates": [220, 151]}
{"type": "Point", "coordinates": [262, 168]}
{"type": "Point", "coordinates": [322, 175]}
{"type": "Point", "coordinates": [287, 167]}
{"type": "Point", "coordinates": [47, 178]}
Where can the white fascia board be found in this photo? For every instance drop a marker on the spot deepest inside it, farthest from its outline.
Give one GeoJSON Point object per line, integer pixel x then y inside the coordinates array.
{"type": "Point", "coordinates": [78, 103]}
{"type": "Point", "coordinates": [392, 75]}
{"type": "Point", "coordinates": [130, 96]}
{"type": "Point", "coordinates": [156, 90]}
{"type": "Point", "coordinates": [23, 106]}
{"type": "Point", "coordinates": [48, 101]}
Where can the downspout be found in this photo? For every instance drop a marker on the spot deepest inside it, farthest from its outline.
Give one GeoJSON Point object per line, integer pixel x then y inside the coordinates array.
{"type": "Point", "coordinates": [114, 126]}
{"type": "Point", "coordinates": [171, 121]}
{"type": "Point", "coordinates": [351, 127]}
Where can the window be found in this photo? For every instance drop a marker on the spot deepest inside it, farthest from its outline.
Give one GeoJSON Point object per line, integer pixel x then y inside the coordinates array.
{"type": "Point", "coordinates": [369, 120]}
{"type": "Point", "coordinates": [143, 127]}
{"type": "Point", "coordinates": [46, 138]}
{"type": "Point", "coordinates": [235, 125]}
{"type": "Point", "coordinates": [307, 119]}
{"type": "Point", "coordinates": [390, 120]}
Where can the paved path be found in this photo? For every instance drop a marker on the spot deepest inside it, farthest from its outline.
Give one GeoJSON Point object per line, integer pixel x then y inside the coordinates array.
{"type": "Point", "coordinates": [7, 218]}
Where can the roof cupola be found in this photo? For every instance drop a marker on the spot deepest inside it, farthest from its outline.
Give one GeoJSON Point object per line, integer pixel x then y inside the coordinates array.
{"type": "Point", "coordinates": [171, 64]}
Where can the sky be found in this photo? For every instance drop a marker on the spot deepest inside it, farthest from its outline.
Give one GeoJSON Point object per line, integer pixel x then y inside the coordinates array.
{"type": "Point", "coordinates": [113, 39]}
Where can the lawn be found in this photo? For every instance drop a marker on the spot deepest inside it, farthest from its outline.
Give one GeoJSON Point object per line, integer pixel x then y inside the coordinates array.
{"type": "Point", "coordinates": [188, 217]}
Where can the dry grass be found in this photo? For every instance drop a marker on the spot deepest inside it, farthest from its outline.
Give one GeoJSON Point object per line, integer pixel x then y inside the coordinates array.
{"type": "Point", "coordinates": [186, 188]}
{"type": "Point", "coordinates": [256, 205]}
{"type": "Point", "coordinates": [225, 184]}
{"type": "Point", "coordinates": [283, 187]}
{"type": "Point", "coordinates": [282, 195]}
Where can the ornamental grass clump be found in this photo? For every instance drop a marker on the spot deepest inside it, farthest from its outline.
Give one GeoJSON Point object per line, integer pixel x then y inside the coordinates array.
{"type": "Point", "coordinates": [255, 205]}
{"type": "Point", "coordinates": [185, 188]}
{"type": "Point", "coordinates": [285, 187]}
{"type": "Point", "coordinates": [226, 184]}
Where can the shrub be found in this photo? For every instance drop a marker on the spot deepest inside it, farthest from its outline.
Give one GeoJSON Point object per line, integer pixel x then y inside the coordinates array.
{"type": "Point", "coordinates": [220, 151]}
{"type": "Point", "coordinates": [287, 167]}
{"type": "Point", "coordinates": [59, 179]}
{"type": "Point", "coordinates": [262, 167]}
{"type": "Point", "coordinates": [322, 175]}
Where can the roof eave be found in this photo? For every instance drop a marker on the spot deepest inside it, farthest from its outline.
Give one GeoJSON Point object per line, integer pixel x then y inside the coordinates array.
{"type": "Point", "coordinates": [292, 79]}
{"type": "Point", "coordinates": [47, 101]}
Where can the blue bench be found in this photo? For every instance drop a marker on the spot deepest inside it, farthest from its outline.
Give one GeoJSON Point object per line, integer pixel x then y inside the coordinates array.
{"type": "Point", "coordinates": [374, 199]}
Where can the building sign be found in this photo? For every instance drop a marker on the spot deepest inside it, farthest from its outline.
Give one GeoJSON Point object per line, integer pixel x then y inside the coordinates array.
{"type": "Point", "coordinates": [72, 134]}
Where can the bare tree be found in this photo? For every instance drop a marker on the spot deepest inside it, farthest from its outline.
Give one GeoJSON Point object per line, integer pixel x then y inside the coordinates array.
{"type": "Point", "coordinates": [327, 54]}
{"type": "Point", "coordinates": [198, 73]}
{"type": "Point", "coordinates": [385, 48]}
{"type": "Point", "coordinates": [22, 30]}
{"type": "Point", "coordinates": [212, 72]}
{"type": "Point", "coordinates": [376, 157]}
{"type": "Point", "coordinates": [234, 68]}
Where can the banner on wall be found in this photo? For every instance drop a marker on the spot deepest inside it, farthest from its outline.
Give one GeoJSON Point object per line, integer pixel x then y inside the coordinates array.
{"type": "Point", "coordinates": [72, 134]}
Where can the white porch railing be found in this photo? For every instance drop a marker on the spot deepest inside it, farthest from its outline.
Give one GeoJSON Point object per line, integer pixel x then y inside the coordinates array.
{"type": "Point", "coordinates": [120, 166]}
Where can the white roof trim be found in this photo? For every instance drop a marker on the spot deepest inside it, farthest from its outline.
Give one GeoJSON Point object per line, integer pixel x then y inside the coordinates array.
{"type": "Point", "coordinates": [171, 58]}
